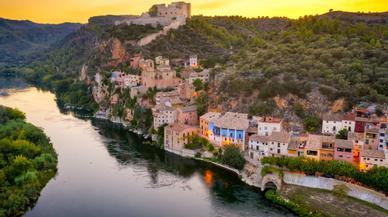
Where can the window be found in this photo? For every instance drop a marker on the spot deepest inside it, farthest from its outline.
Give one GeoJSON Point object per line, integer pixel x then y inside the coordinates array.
{"type": "Point", "coordinates": [313, 153]}
{"type": "Point", "coordinates": [278, 151]}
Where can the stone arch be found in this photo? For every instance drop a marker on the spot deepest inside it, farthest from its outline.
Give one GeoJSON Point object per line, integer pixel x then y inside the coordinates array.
{"type": "Point", "coordinates": [271, 181]}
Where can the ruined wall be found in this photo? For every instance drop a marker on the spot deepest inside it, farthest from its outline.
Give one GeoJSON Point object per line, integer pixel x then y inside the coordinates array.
{"type": "Point", "coordinates": [149, 38]}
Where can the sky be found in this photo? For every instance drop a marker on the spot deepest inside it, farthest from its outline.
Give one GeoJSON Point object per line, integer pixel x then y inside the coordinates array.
{"type": "Point", "coordinates": [58, 11]}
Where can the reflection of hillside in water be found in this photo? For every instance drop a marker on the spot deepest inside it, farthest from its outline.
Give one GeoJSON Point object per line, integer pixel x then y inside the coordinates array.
{"type": "Point", "coordinates": [129, 149]}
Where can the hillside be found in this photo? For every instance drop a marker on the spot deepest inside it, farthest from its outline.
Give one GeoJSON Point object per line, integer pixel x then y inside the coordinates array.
{"type": "Point", "coordinates": [22, 40]}
{"type": "Point", "coordinates": [264, 65]}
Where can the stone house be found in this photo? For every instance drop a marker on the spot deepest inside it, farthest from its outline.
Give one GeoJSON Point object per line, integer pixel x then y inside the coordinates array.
{"type": "Point", "coordinates": [371, 138]}
{"type": "Point", "coordinates": [202, 76]}
{"type": "Point", "coordinates": [130, 80]}
{"type": "Point", "coordinates": [161, 77]}
{"type": "Point", "coordinates": [204, 121]}
{"type": "Point", "coordinates": [176, 136]}
{"type": "Point", "coordinates": [267, 125]}
{"type": "Point", "coordinates": [274, 145]}
{"type": "Point", "coordinates": [188, 115]}
{"type": "Point", "coordinates": [231, 128]}
{"type": "Point", "coordinates": [138, 91]}
{"type": "Point", "coordinates": [258, 147]}
{"type": "Point", "coordinates": [320, 147]}
{"type": "Point", "coordinates": [370, 158]}
{"type": "Point", "coordinates": [333, 123]}
{"type": "Point", "coordinates": [357, 140]}
{"type": "Point", "coordinates": [163, 97]}
{"type": "Point", "coordinates": [296, 146]}
{"type": "Point", "coordinates": [278, 143]}
{"type": "Point", "coordinates": [343, 150]}
{"type": "Point", "coordinates": [163, 115]}
{"type": "Point", "coordinates": [186, 90]}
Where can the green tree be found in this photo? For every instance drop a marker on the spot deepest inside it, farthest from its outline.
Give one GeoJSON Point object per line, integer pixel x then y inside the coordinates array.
{"type": "Point", "coordinates": [342, 134]}
{"type": "Point", "coordinates": [311, 123]}
{"type": "Point", "coordinates": [233, 157]}
{"type": "Point", "coordinates": [198, 85]}
{"type": "Point", "coordinates": [201, 103]}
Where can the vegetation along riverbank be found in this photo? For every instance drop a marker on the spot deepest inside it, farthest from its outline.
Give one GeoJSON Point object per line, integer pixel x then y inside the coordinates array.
{"type": "Point", "coordinates": [27, 162]}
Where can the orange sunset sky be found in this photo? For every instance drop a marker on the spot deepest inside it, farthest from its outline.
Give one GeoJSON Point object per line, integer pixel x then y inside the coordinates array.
{"type": "Point", "coordinates": [57, 11]}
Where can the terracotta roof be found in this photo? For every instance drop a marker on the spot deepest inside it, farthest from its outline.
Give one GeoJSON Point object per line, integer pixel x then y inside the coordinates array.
{"type": "Point", "coordinates": [332, 117]}
{"type": "Point", "coordinates": [297, 143]}
{"type": "Point", "coordinates": [341, 143]}
{"type": "Point", "coordinates": [269, 119]}
{"type": "Point", "coordinates": [258, 138]}
{"type": "Point", "coordinates": [180, 127]}
{"type": "Point", "coordinates": [282, 137]}
{"type": "Point", "coordinates": [293, 144]}
{"type": "Point", "coordinates": [210, 116]}
{"type": "Point", "coordinates": [373, 153]}
{"type": "Point", "coordinates": [231, 120]}
{"type": "Point", "coordinates": [314, 142]}
{"type": "Point", "coordinates": [349, 116]}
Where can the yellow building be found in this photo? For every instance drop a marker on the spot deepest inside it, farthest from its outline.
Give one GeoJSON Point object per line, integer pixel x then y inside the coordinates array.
{"type": "Point", "coordinates": [176, 136]}
{"type": "Point", "coordinates": [320, 147]}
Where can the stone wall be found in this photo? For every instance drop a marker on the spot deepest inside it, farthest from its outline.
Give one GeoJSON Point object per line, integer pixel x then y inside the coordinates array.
{"type": "Point", "coordinates": [355, 191]}
{"type": "Point", "coordinates": [149, 38]}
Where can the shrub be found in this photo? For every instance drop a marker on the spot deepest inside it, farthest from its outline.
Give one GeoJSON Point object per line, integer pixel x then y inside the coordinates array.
{"type": "Point", "coordinates": [233, 157]}
{"type": "Point", "coordinates": [294, 207]}
{"type": "Point", "coordinates": [376, 178]}
{"type": "Point", "coordinates": [311, 123]}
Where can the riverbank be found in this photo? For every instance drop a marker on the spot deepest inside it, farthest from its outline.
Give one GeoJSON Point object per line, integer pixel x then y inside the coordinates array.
{"type": "Point", "coordinates": [28, 162]}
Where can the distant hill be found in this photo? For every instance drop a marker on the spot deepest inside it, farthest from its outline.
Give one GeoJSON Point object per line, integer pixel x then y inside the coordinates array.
{"type": "Point", "coordinates": [356, 17]}
{"type": "Point", "coordinates": [22, 40]}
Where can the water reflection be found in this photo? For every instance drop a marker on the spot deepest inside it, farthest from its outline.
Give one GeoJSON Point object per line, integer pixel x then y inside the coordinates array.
{"type": "Point", "coordinates": [106, 171]}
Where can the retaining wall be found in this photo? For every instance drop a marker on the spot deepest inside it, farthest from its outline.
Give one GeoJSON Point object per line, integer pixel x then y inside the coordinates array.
{"type": "Point", "coordinates": [355, 191]}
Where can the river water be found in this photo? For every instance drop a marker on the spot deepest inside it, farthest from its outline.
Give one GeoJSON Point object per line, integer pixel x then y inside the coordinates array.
{"type": "Point", "coordinates": [106, 171]}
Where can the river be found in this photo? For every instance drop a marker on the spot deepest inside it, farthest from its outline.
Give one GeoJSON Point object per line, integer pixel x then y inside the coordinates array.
{"type": "Point", "coordinates": [106, 171]}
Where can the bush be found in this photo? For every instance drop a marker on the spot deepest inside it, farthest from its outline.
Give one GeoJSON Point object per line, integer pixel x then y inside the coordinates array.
{"type": "Point", "coordinates": [376, 178]}
{"type": "Point", "coordinates": [294, 207]}
{"type": "Point", "coordinates": [311, 123]}
{"type": "Point", "coordinates": [342, 134]}
{"type": "Point", "coordinates": [233, 157]}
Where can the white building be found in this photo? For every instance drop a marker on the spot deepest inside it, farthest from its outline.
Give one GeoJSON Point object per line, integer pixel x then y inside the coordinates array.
{"type": "Point", "coordinates": [371, 158]}
{"type": "Point", "coordinates": [163, 115]}
{"type": "Point", "coordinates": [131, 80]}
{"type": "Point", "coordinates": [267, 125]}
{"type": "Point", "coordinates": [258, 147]}
{"type": "Point", "coordinates": [278, 143]}
{"type": "Point", "coordinates": [333, 123]}
{"type": "Point", "coordinates": [383, 137]}
{"type": "Point", "coordinates": [203, 76]}
{"type": "Point", "coordinates": [274, 145]}
{"type": "Point", "coordinates": [193, 61]}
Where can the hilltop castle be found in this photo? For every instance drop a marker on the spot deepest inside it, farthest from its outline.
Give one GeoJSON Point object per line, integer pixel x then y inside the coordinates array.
{"type": "Point", "coordinates": [162, 14]}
